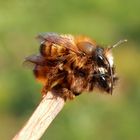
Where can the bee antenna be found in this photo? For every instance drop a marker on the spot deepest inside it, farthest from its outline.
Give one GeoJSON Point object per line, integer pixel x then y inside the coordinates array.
{"type": "Point", "coordinates": [118, 43]}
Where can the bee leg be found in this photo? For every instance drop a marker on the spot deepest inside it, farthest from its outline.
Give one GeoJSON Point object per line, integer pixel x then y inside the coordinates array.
{"type": "Point", "coordinates": [64, 93]}
{"type": "Point", "coordinates": [67, 94]}
{"type": "Point", "coordinates": [44, 93]}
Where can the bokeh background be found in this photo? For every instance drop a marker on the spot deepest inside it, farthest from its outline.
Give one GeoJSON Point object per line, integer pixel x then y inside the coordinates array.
{"type": "Point", "coordinates": [89, 116]}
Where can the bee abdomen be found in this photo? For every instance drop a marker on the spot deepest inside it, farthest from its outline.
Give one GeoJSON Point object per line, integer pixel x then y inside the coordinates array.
{"type": "Point", "coordinates": [48, 49]}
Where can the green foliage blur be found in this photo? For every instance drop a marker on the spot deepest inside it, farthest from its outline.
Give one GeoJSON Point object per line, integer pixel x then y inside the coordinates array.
{"type": "Point", "coordinates": [89, 116]}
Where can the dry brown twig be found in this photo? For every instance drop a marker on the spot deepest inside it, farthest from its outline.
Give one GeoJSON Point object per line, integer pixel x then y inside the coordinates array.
{"type": "Point", "coordinates": [42, 117]}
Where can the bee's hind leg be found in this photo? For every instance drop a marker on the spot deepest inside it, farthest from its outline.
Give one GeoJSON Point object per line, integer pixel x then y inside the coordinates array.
{"type": "Point", "coordinates": [65, 93]}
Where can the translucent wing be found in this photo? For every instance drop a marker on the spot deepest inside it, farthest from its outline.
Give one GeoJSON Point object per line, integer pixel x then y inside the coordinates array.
{"type": "Point", "coordinates": [30, 61]}
{"type": "Point", "coordinates": [42, 61]}
{"type": "Point", "coordinates": [66, 41]}
{"type": "Point", "coordinates": [35, 59]}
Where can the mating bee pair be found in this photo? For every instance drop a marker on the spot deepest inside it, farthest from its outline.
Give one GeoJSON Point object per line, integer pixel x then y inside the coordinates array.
{"type": "Point", "coordinates": [69, 65]}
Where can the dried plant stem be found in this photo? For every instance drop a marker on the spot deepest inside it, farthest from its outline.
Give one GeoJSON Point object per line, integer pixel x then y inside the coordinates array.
{"type": "Point", "coordinates": [42, 117]}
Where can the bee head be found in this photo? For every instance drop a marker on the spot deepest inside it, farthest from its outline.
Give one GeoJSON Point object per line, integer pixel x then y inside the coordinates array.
{"type": "Point", "coordinates": [100, 58]}
{"type": "Point", "coordinates": [104, 62]}
{"type": "Point", "coordinates": [103, 56]}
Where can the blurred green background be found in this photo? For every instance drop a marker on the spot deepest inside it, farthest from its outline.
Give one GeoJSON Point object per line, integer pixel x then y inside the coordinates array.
{"type": "Point", "coordinates": [89, 116]}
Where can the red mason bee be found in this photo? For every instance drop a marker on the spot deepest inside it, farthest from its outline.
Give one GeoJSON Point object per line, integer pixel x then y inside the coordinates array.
{"type": "Point", "coordinates": [69, 65]}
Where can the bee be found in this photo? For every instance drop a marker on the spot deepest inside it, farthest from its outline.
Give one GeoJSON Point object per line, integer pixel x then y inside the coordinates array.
{"type": "Point", "coordinates": [70, 65]}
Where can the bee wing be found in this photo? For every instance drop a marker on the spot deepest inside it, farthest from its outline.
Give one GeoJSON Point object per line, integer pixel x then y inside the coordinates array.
{"type": "Point", "coordinates": [42, 61]}
{"type": "Point", "coordinates": [28, 64]}
{"type": "Point", "coordinates": [33, 60]}
{"type": "Point", "coordinates": [66, 41]}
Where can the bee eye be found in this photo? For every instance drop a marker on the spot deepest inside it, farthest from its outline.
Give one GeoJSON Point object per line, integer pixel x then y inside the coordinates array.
{"type": "Point", "coordinates": [103, 82]}
{"type": "Point", "coordinates": [100, 60]}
